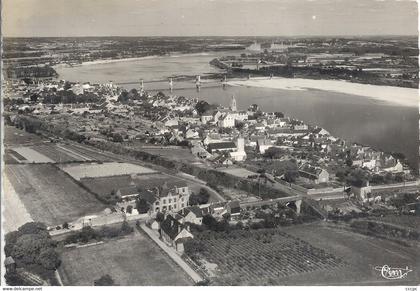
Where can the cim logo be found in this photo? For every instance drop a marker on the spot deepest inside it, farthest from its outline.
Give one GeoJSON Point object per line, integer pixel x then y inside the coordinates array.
{"type": "Point", "coordinates": [393, 273]}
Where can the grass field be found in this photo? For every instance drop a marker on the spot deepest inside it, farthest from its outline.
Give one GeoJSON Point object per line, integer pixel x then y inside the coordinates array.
{"type": "Point", "coordinates": [95, 170]}
{"type": "Point", "coordinates": [49, 195]}
{"type": "Point", "coordinates": [132, 261]}
{"type": "Point", "coordinates": [14, 136]}
{"type": "Point", "coordinates": [410, 221]}
{"type": "Point", "coordinates": [238, 172]}
{"type": "Point", "coordinates": [104, 185]}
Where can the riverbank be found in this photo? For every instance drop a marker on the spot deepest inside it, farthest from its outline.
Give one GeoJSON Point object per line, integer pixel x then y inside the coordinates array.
{"type": "Point", "coordinates": [110, 61]}
{"type": "Point", "coordinates": [391, 95]}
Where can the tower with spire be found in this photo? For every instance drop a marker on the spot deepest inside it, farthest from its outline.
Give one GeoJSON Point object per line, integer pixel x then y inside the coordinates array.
{"type": "Point", "coordinates": [233, 104]}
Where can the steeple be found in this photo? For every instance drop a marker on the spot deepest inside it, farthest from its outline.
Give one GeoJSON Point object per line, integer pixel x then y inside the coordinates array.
{"type": "Point", "coordinates": [233, 104]}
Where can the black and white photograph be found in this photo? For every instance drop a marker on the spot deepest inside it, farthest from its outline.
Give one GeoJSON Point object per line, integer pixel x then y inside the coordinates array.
{"type": "Point", "coordinates": [210, 143]}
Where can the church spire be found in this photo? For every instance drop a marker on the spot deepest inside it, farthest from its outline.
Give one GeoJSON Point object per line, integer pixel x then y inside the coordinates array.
{"type": "Point", "coordinates": [233, 104]}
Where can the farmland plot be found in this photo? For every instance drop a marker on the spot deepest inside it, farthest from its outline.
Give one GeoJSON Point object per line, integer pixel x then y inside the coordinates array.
{"type": "Point", "coordinates": [14, 136]}
{"type": "Point", "coordinates": [49, 195]}
{"type": "Point", "coordinates": [94, 170]}
{"type": "Point", "coordinates": [104, 185]}
{"type": "Point", "coordinates": [132, 261]}
{"type": "Point", "coordinates": [261, 256]}
{"type": "Point", "coordinates": [362, 253]}
{"type": "Point", "coordinates": [56, 153]}
{"type": "Point", "coordinates": [32, 156]}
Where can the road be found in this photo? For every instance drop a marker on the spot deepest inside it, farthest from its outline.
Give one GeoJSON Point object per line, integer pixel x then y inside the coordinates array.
{"type": "Point", "coordinates": [172, 254]}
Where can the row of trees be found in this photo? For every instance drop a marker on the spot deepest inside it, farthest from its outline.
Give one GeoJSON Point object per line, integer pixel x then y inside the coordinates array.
{"type": "Point", "coordinates": [88, 234]}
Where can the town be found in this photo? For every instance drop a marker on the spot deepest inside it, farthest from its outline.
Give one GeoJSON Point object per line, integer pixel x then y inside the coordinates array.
{"type": "Point", "coordinates": [207, 184]}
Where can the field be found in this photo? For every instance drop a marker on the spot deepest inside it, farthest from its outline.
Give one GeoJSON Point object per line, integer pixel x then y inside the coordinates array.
{"type": "Point", "coordinates": [104, 185]}
{"type": "Point", "coordinates": [95, 170]}
{"type": "Point", "coordinates": [259, 257]}
{"type": "Point", "coordinates": [59, 154]}
{"type": "Point", "coordinates": [49, 195]}
{"type": "Point", "coordinates": [309, 254]}
{"type": "Point", "coordinates": [31, 155]}
{"type": "Point", "coordinates": [238, 172]}
{"type": "Point", "coordinates": [132, 261]}
{"type": "Point", "coordinates": [14, 136]}
{"type": "Point", "coordinates": [15, 213]}
{"type": "Point", "coordinates": [363, 254]}
{"type": "Point", "coordinates": [175, 153]}
{"type": "Point", "coordinates": [408, 221]}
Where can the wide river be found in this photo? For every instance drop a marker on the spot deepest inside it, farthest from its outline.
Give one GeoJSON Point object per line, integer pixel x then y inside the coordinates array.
{"type": "Point", "coordinates": [391, 127]}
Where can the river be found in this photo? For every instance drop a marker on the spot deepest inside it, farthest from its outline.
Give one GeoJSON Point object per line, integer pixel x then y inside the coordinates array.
{"type": "Point", "coordinates": [385, 126]}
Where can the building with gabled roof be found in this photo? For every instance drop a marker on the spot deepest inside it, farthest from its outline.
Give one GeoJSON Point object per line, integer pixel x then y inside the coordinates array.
{"type": "Point", "coordinates": [192, 214]}
{"type": "Point", "coordinates": [174, 233]}
{"type": "Point", "coordinates": [312, 174]}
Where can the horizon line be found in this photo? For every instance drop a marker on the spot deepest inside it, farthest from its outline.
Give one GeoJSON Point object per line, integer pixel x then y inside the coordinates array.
{"type": "Point", "coordinates": [223, 36]}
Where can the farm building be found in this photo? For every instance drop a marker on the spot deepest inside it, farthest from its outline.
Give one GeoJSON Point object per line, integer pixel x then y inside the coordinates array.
{"type": "Point", "coordinates": [192, 214]}
{"type": "Point", "coordinates": [312, 174]}
{"type": "Point", "coordinates": [174, 233]}
{"type": "Point", "coordinates": [234, 209]}
{"type": "Point", "coordinates": [128, 193]}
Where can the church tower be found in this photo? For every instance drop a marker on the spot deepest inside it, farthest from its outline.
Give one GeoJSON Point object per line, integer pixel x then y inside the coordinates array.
{"type": "Point", "coordinates": [233, 104]}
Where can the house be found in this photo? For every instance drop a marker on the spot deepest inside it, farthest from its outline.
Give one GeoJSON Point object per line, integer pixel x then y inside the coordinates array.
{"type": "Point", "coordinates": [239, 155]}
{"type": "Point", "coordinates": [311, 174]}
{"type": "Point", "coordinates": [128, 193]}
{"type": "Point", "coordinates": [222, 160]}
{"type": "Point", "coordinates": [192, 214]}
{"type": "Point", "coordinates": [217, 209]}
{"type": "Point", "coordinates": [10, 264]}
{"type": "Point", "coordinates": [362, 191]}
{"type": "Point", "coordinates": [198, 151]}
{"type": "Point", "coordinates": [221, 147]}
{"type": "Point", "coordinates": [153, 224]}
{"type": "Point", "coordinates": [263, 145]}
{"type": "Point", "coordinates": [206, 117]}
{"type": "Point", "coordinates": [172, 197]}
{"type": "Point", "coordinates": [234, 209]}
{"type": "Point", "coordinates": [174, 233]}
{"type": "Point", "coordinates": [397, 168]}
{"type": "Point", "coordinates": [226, 121]}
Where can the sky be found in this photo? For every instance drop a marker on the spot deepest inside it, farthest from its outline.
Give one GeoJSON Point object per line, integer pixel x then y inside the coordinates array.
{"type": "Point", "coordinates": [30, 18]}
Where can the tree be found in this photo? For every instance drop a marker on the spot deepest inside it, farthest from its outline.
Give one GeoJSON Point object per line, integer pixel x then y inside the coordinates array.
{"type": "Point", "coordinates": [142, 206]}
{"type": "Point", "coordinates": [105, 280]}
{"type": "Point", "coordinates": [202, 106]}
{"type": "Point", "coordinates": [49, 259]}
{"type": "Point", "coordinates": [358, 178]}
{"type": "Point", "coordinates": [201, 198]}
{"type": "Point", "coordinates": [117, 137]}
{"type": "Point", "coordinates": [291, 176]}
{"type": "Point", "coordinates": [160, 217]}
{"type": "Point", "coordinates": [274, 153]}
{"type": "Point", "coordinates": [123, 97]}
{"type": "Point", "coordinates": [279, 114]}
